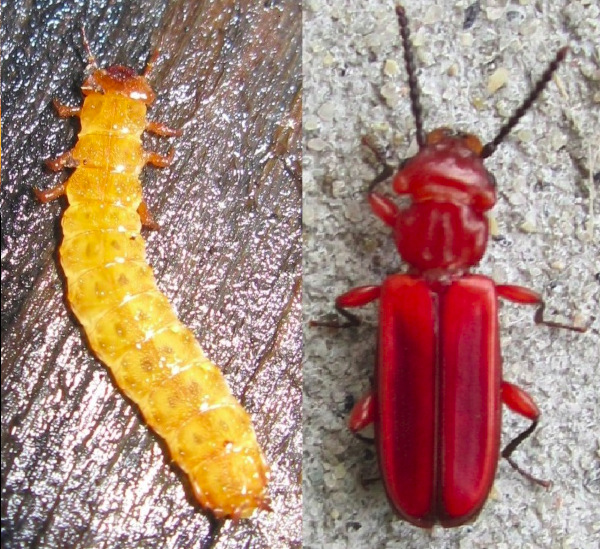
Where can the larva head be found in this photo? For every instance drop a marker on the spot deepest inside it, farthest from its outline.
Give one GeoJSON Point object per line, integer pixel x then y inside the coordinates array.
{"type": "Point", "coordinates": [121, 80]}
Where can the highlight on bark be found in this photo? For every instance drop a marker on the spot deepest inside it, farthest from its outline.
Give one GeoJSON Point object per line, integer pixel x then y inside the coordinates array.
{"type": "Point", "coordinates": [130, 325]}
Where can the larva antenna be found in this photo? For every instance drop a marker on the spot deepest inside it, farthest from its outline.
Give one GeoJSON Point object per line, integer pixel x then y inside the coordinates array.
{"type": "Point", "coordinates": [152, 59]}
{"type": "Point", "coordinates": [409, 59]}
{"type": "Point", "coordinates": [490, 147]}
{"type": "Point", "coordinates": [91, 59]}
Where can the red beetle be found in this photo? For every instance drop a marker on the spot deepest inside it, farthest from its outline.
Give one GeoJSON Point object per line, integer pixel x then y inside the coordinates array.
{"type": "Point", "coordinates": [438, 390]}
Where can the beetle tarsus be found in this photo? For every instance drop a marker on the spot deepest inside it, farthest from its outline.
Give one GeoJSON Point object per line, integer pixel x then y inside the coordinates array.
{"type": "Point", "coordinates": [352, 320]}
{"type": "Point", "coordinates": [528, 476]}
{"type": "Point", "coordinates": [386, 170]}
{"type": "Point", "coordinates": [512, 446]}
{"type": "Point", "coordinates": [539, 319]}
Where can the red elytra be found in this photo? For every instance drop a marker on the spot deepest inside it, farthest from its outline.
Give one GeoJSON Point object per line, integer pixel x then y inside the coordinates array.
{"type": "Point", "coordinates": [438, 393]}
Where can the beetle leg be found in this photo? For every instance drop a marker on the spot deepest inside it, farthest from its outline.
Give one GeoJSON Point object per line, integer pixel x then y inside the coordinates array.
{"type": "Point", "coordinates": [519, 294]}
{"type": "Point", "coordinates": [521, 403]}
{"type": "Point", "coordinates": [64, 111]}
{"type": "Point", "coordinates": [384, 209]}
{"type": "Point", "coordinates": [158, 128]}
{"type": "Point", "coordinates": [386, 171]}
{"type": "Point", "coordinates": [146, 217]}
{"type": "Point", "coordinates": [51, 194]}
{"type": "Point", "coordinates": [363, 413]}
{"type": "Point", "coordinates": [357, 297]}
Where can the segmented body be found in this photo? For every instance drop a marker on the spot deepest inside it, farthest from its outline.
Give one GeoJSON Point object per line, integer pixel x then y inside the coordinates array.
{"type": "Point", "coordinates": [156, 361]}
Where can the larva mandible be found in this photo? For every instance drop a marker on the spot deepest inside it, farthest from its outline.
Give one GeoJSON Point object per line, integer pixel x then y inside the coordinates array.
{"type": "Point", "coordinates": [131, 326]}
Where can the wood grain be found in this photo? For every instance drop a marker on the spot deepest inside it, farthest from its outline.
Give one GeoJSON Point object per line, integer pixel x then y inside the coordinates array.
{"type": "Point", "coordinates": [80, 468]}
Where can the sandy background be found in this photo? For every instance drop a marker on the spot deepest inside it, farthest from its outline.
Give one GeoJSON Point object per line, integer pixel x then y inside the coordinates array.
{"type": "Point", "coordinates": [546, 239]}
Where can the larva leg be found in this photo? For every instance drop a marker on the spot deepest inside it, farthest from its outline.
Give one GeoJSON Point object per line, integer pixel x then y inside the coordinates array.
{"type": "Point", "coordinates": [50, 194]}
{"type": "Point", "coordinates": [163, 130]}
{"type": "Point", "coordinates": [64, 111]}
{"type": "Point", "coordinates": [65, 160]}
{"type": "Point", "coordinates": [146, 217]}
{"type": "Point", "coordinates": [159, 160]}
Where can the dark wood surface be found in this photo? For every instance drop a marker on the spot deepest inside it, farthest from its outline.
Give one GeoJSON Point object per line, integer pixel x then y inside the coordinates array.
{"type": "Point", "coordinates": [79, 466]}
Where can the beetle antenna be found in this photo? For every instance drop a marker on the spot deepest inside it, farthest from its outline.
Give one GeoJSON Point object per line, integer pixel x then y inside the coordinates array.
{"type": "Point", "coordinates": [409, 59]}
{"type": "Point", "coordinates": [490, 147]}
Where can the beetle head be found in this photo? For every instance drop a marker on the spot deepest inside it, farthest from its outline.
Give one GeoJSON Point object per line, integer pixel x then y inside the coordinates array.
{"type": "Point", "coordinates": [444, 229]}
{"type": "Point", "coordinates": [448, 168]}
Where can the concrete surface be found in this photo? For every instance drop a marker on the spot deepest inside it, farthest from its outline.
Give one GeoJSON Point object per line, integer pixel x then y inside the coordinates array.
{"type": "Point", "coordinates": [547, 238]}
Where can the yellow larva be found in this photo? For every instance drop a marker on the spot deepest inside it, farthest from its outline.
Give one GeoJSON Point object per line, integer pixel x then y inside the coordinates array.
{"type": "Point", "coordinates": [156, 361]}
